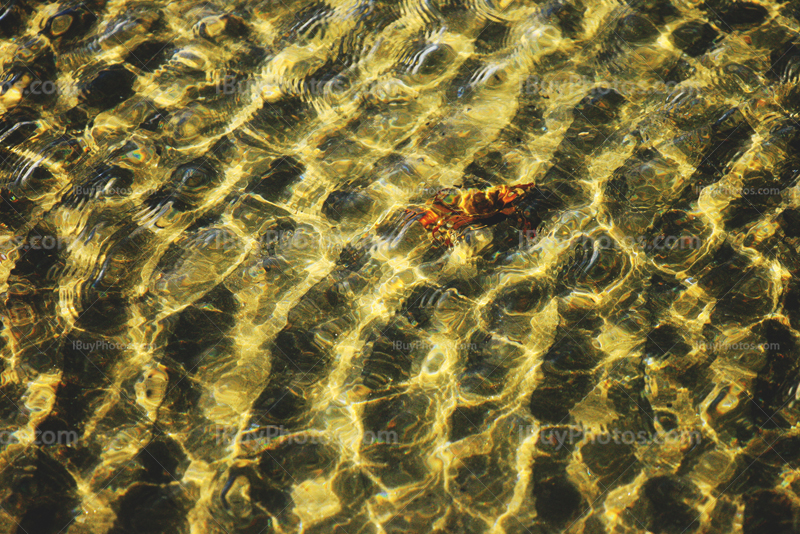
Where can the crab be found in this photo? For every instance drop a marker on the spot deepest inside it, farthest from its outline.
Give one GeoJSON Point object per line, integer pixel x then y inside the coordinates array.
{"type": "Point", "coordinates": [452, 210]}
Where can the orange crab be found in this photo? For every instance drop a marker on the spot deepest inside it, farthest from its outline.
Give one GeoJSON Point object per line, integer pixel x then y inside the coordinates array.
{"type": "Point", "coordinates": [451, 209]}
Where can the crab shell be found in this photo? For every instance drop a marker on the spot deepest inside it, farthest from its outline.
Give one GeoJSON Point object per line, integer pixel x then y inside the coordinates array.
{"type": "Point", "coordinates": [452, 210]}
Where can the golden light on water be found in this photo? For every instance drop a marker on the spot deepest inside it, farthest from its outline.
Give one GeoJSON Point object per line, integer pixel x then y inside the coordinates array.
{"type": "Point", "coordinates": [281, 266]}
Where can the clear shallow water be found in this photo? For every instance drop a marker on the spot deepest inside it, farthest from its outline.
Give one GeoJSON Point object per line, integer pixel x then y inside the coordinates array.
{"type": "Point", "coordinates": [219, 318]}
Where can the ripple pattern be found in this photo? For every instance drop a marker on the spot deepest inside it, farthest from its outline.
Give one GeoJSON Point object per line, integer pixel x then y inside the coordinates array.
{"type": "Point", "coordinates": [219, 316]}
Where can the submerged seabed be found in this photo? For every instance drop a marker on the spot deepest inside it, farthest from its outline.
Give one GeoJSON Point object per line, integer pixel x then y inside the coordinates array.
{"type": "Point", "coordinates": [218, 318]}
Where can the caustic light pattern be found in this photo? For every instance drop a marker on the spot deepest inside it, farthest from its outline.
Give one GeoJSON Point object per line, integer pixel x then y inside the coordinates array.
{"type": "Point", "coordinates": [413, 266]}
